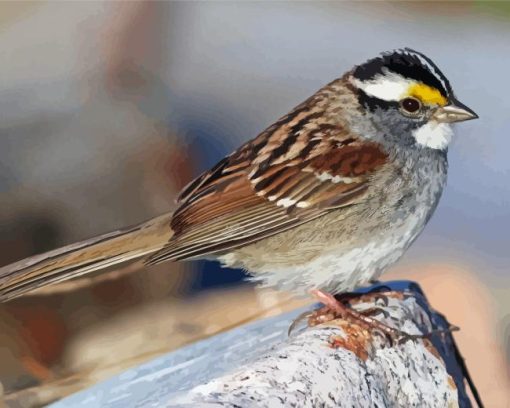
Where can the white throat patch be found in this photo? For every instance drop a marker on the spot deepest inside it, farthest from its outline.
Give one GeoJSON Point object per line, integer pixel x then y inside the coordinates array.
{"type": "Point", "coordinates": [434, 135]}
{"type": "Point", "coordinates": [388, 87]}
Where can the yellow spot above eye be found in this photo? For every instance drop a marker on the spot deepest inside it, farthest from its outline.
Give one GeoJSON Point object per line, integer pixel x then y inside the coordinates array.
{"type": "Point", "coordinates": [427, 94]}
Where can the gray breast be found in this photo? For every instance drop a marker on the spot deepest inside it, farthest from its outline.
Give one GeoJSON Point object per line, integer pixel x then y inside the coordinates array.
{"type": "Point", "coordinates": [348, 247]}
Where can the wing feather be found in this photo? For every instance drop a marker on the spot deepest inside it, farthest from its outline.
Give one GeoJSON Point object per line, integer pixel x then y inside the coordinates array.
{"type": "Point", "coordinates": [245, 198]}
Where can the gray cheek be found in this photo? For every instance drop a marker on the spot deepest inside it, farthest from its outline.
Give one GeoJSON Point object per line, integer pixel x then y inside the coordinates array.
{"type": "Point", "coordinates": [394, 128]}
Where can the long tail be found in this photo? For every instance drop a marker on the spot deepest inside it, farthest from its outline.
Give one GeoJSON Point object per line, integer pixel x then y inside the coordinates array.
{"type": "Point", "coordinates": [84, 257]}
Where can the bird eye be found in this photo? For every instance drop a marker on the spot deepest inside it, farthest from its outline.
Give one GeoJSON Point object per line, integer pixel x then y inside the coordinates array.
{"type": "Point", "coordinates": [410, 105]}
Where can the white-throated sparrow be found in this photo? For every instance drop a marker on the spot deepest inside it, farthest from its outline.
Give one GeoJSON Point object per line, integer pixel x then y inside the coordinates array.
{"type": "Point", "coordinates": [326, 198]}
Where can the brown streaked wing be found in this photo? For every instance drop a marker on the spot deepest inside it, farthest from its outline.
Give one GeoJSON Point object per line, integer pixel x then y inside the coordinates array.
{"type": "Point", "coordinates": [322, 178]}
{"type": "Point", "coordinates": [228, 209]}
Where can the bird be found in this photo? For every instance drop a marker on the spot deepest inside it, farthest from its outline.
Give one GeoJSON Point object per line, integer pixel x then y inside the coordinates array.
{"type": "Point", "coordinates": [322, 201]}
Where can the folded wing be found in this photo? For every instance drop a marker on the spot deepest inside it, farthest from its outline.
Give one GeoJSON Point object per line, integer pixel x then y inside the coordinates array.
{"type": "Point", "coordinates": [265, 188]}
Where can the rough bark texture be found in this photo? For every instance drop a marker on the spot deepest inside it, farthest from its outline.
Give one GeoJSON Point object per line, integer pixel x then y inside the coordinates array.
{"type": "Point", "coordinates": [333, 365]}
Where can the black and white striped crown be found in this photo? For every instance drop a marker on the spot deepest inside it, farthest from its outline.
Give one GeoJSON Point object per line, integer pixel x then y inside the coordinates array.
{"type": "Point", "coordinates": [407, 63]}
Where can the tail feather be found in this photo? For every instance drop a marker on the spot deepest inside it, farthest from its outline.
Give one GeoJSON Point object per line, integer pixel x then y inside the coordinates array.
{"type": "Point", "coordinates": [84, 257]}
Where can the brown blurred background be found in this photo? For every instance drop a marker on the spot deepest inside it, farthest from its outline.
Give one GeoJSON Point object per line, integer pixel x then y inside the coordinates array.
{"type": "Point", "coordinates": [108, 108]}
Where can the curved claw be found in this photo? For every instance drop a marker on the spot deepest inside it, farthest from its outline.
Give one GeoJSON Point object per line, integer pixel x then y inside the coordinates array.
{"type": "Point", "coordinates": [384, 336]}
{"type": "Point", "coordinates": [453, 328]}
{"type": "Point", "coordinates": [374, 311]}
{"type": "Point", "coordinates": [383, 297]}
{"type": "Point", "coordinates": [297, 320]}
{"type": "Point", "coordinates": [406, 336]}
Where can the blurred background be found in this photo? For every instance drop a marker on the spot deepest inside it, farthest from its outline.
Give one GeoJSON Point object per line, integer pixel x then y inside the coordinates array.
{"type": "Point", "coordinates": [108, 108]}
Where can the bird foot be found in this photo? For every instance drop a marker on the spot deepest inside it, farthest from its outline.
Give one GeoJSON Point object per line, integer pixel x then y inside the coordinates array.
{"type": "Point", "coordinates": [335, 308]}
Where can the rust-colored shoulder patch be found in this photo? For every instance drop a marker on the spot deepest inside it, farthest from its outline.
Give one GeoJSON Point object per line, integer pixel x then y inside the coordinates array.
{"type": "Point", "coordinates": [351, 160]}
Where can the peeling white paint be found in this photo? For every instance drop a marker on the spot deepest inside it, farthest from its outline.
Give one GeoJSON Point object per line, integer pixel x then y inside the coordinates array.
{"type": "Point", "coordinates": [307, 372]}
